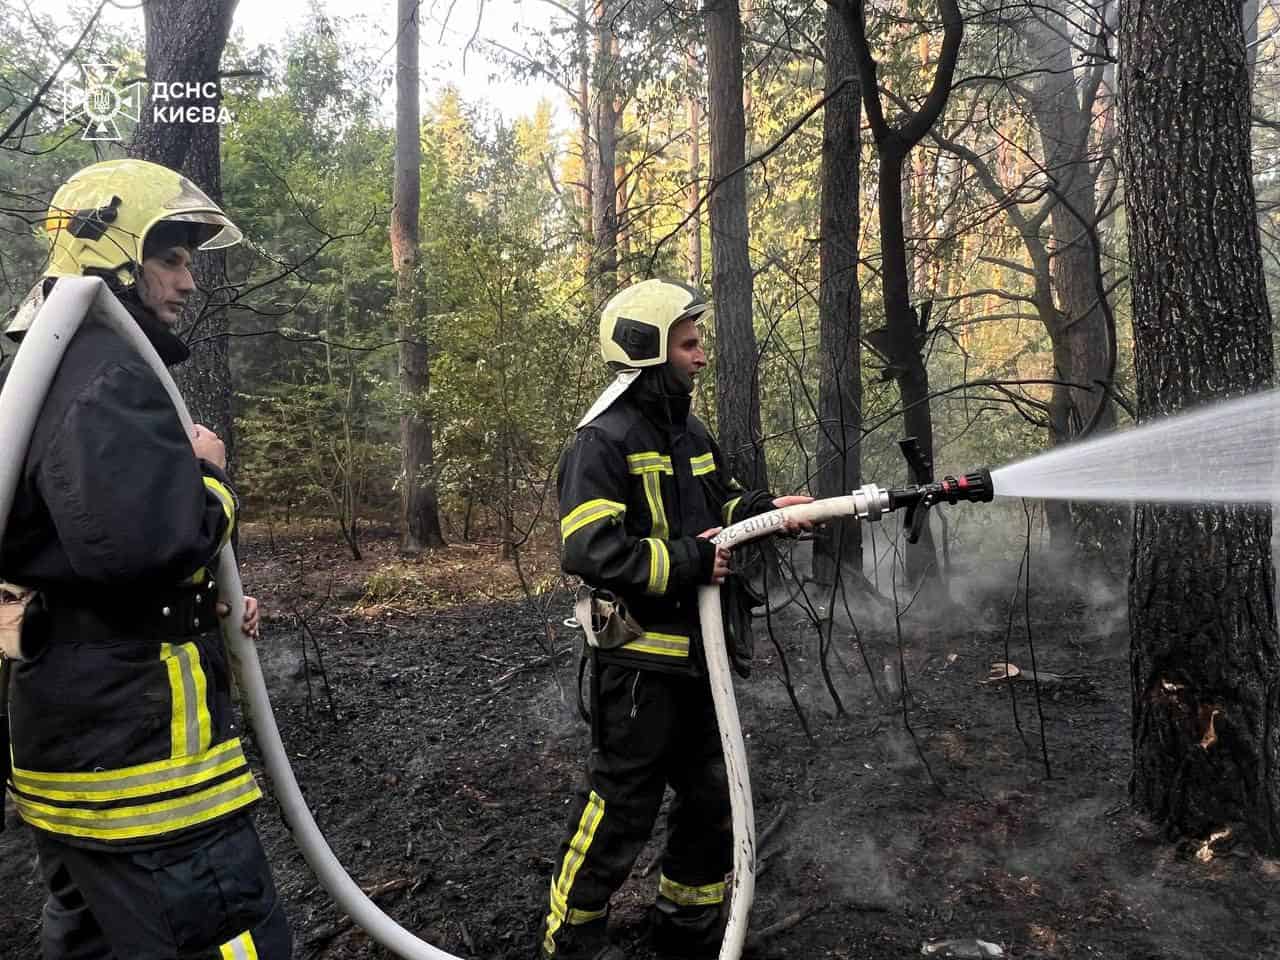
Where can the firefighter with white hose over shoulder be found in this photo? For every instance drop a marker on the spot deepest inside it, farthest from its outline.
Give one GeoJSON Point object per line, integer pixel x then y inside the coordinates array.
{"type": "Point", "coordinates": [642, 489]}
{"type": "Point", "coordinates": [125, 754]}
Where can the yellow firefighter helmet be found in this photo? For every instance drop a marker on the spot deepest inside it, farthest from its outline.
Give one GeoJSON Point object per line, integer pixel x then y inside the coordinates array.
{"type": "Point", "coordinates": [99, 219]}
{"type": "Point", "coordinates": [635, 322]}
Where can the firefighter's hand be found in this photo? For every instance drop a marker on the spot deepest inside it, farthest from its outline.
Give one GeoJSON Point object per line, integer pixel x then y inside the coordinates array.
{"type": "Point", "coordinates": [794, 526]}
{"type": "Point", "coordinates": [208, 446]}
{"type": "Point", "coordinates": [251, 623]}
{"type": "Point", "coordinates": [721, 568]}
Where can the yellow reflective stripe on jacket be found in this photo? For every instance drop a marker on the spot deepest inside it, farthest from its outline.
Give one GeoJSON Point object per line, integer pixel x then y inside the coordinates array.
{"type": "Point", "coordinates": [589, 512]}
{"type": "Point", "coordinates": [659, 566]}
{"type": "Point", "coordinates": [659, 645]}
{"type": "Point", "coordinates": [142, 820]}
{"type": "Point", "coordinates": [190, 726]}
{"type": "Point", "coordinates": [649, 466]}
{"type": "Point", "coordinates": [687, 896]}
{"type": "Point", "coordinates": [649, 461]}
{"type": "Point", "coordinates": [588, 823]}
{"type": "Point", "coordinates": [703, 464]}
{"type": "Point", "coordinates": [729, 508]}
{"type": "Point", "coordinates": [657, 511]}
{"type": "Point", "coordinates": [241, 948]}
{"type": "Point", "coordinates": [228, 502]}
{"type": "Point", "coordinates": [143, 780]}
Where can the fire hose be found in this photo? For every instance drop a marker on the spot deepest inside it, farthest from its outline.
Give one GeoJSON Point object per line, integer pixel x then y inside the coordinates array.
{"type": "Point", "coordinates": [71, 302]}
{"type": "Point", "coordinates": [868, 503]}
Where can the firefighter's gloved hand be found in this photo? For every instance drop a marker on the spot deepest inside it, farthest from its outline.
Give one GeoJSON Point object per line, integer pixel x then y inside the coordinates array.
{"type": "Point", "coordinates": [720, 569]}
{"type": "Point", "coordinates": [794, 527]}
{"type": "Point", "coordinates": [251, 624]}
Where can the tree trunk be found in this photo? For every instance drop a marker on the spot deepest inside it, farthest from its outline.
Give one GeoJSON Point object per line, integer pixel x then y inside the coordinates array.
{"type": "Point", "coordinates": [582, 107]}
{"type": "Point", "coordinates": [604, 183]}
{"type": "Point", "coordinates": [695, 182]}
{"type": "Point", "coordinates": [903, 335]}
{"type": "Point", "coordinates": [419, 508]}
{"type": "Point", "coordinates": [1205, 660]}
{"type": "Point", "coordinates": [737, 362]}
{"type": "Point", "coordinates": [838, 545]}
{"type": "Point", "coordinates": [1062, 102]}
{"type": "Point", "coordinates": [185, 40]}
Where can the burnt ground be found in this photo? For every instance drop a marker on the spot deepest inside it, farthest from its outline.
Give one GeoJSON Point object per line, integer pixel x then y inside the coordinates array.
{"type": "Point", "coordinates": [442, 770]}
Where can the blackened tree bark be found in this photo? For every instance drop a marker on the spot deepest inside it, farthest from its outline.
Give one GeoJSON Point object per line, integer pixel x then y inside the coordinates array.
{"type": "Point", "coordinates": [1205, 660]}
{"type": "Point", "coordinates": [185, 40]}
{"type": "Point", "coordinates": [737, 360]}
{"type": "Point", "coordinates": [419, 505]}
{"type": "Point", "coordinates": [839, 544]}
{"type": "Point", "coordinates": [904, 338]}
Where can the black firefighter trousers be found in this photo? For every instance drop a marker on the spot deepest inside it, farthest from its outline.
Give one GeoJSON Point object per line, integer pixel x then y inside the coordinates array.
{"type": "Point", "coordinates": [653, 729]}
{"type": "Point", "coordinates": [206, 898]}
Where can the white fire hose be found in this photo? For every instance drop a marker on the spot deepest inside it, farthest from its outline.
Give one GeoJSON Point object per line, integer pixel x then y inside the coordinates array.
{"type": "Point", "coordinates": [865, 503]}
{"type": "Point", "coordinates": [71, 302]}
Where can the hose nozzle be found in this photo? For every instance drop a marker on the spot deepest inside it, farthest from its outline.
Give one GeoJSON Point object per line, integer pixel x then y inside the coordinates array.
{"type": "Point", "coordinates": [918, 498]}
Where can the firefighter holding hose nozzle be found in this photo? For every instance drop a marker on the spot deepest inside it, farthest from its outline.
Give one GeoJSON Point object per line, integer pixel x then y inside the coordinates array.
{"type": "Point", "coordinates": [126, 761]}
{"type": "Point", "coordinates": [642, 489]}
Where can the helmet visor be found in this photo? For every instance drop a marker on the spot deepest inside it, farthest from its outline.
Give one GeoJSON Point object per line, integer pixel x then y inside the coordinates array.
{"type": "Point", "coordinates": [216, 231]}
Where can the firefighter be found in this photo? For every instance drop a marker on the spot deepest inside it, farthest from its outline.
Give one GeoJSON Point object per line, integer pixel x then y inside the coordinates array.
{"type": "Point", "coordinates": [126, 759]}
{"type": "Point", "coordinates": [641, 489]}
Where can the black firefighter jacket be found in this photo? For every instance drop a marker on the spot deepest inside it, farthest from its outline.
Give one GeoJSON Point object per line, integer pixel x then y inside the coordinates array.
{"type": "Point", "coordinates": [637, 486]}
{"type": "Point", "coordinates": [122, 728]}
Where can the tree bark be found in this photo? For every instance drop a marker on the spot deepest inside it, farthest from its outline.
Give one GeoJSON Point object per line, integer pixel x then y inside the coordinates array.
{"type": "Point", "coordinates": [737, 361]}
{"type": "Point", "coordinates": [838, 545]}
{"type": "Point", "coordinates": [604, 183]}
{"type": "Point", "coordinates": [1062, 102]}
{"type": "Point", "coordinates": [1205, 660]}
{"type": "Point", "coordinates": [185, 40]}
{"type": "Point", "coordinates": [904, 336]}
{"type": "Point", "coordinates": [582, 107]}
{"type": "Point", "coordinates": [419, 506]}
{"type": "Point", "coordinates": [695, 182]}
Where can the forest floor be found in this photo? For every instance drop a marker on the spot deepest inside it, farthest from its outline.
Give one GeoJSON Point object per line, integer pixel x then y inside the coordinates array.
{"type": "Point", "coordinates": [440, 743]}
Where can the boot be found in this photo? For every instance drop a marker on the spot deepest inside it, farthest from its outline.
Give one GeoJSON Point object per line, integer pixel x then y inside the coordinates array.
{"type": "Point", "coordinates": [586, 941]}
{"type": "Point", "coordinates": [686, 931]}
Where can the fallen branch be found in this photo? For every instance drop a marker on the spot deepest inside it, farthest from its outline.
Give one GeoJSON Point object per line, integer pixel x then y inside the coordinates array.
{"type": "Point", "coordinates": [532, 664]}
{"type": "Point", "coordinates": [388, 886]}
{"type": "Point", "coordinates": [773, 826]}
{"type": "Point", "coordinates": [757, 939]}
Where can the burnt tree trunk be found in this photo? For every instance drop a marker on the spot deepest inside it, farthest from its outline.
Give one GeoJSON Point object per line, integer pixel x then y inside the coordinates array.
{"type": "Point", "coordinates": [903, 336]}
{"type": "Point", "coordinates": [736, 358]}
{"type": "Point", "coordinates": [1205, 660]}
{"type": "Point", "coordinates": [419, 507]}
{"type": "Point", "coordinates": [838, 545]}
{"type": "Point", "coordinates": [185, 40]}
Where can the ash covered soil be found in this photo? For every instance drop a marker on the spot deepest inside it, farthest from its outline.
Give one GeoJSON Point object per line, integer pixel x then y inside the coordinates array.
{"type": "Point", "coordinates": [440, 759]}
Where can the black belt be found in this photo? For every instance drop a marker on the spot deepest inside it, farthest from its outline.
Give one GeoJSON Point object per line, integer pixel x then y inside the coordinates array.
{"type": "Point", "coordinates": [186, 611]}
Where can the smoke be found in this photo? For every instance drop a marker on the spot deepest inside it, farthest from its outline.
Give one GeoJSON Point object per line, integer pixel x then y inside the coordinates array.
{"type": "Point", "coordinates": [854, 865]}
